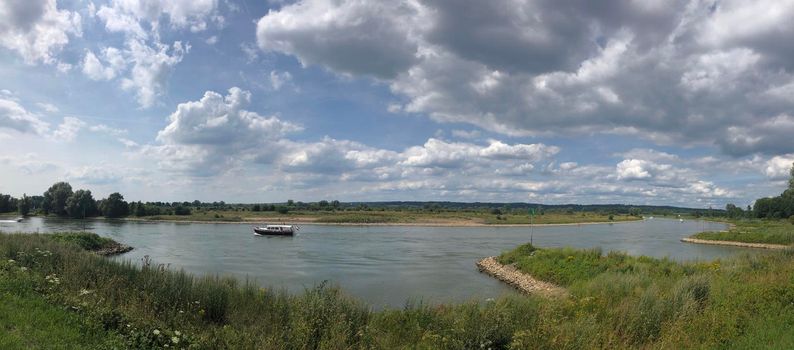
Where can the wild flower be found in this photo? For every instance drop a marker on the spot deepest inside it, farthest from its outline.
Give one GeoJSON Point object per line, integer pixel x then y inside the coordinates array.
{"type": "Point", "coordinates": [23, 269]}
{"type": "Point", "coordinates": [11, 261]}
{"type": "Point", "coordinates": [156, 332]}
{"type": "Point", "coordinates": [178, 333]}
{"type": "Point", "coordinates": [175, 340]}
{"type": "Point", "coordinates": [53, 278]}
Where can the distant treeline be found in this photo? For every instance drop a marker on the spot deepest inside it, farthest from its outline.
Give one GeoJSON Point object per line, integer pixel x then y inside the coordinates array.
{"type": "Point", "coordinates": [61, 200]}
{"type": "Point", "coordinates": [779, 207]}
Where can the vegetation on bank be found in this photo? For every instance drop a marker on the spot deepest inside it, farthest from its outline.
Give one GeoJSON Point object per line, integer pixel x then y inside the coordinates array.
{"type": "Point", "coordinates": [771, 221]}
{"type": "Point", "coordinates": [61, 200]}
{"type": "Point", "coordinates": [754, 231]}
{"type": "Point", "coordinates": [623, 302]}
{"type": "Point", "coordinates": [568, 266]}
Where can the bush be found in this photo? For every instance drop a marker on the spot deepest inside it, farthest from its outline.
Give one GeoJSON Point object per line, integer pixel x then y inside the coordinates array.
{"type": "Point", "coordinates": [180, 210]}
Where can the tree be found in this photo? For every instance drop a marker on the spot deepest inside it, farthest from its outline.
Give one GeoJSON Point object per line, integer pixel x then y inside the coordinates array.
{"type": "Point", "coordinates": [23, 205]}
{"type": "Point", "coordinates": [114, 206]}
{"type": "Point", "coordinates": [256, 207]}
{"type": "Point", "coordinates": [181, 210]}
{"type": "Point", "coordinates": [7, 203]}
{"type": "Point", "coordinates": [140, 209]}
{"type": "Point", "coordinates": [733, 211]}
{"type": "Point", "coordinates": [55, 198]}
{"type": "Point", "coordinates": [81, 204]}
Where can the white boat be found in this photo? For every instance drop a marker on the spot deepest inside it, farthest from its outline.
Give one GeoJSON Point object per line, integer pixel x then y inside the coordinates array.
{"type": "Point", "coordinates": [19, 219]}
{"type": "Point", "coordinates": [276, 230]}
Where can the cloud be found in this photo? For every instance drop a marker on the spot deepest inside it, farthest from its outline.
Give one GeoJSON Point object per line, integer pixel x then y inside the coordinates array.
{"type": "Point", "coordinates": [94, 69]}
{"type": "Point", "coordinates": [37, 30]}
{"type": "Point", "coordinates": [279, 79]}
{"type": "Point", "coordinates": [209, 136]}
{"type": "Point", "coordinates": [136, 17]}
{"type": "Point", "coordinates": [356, 37]}
{"type": "Point", "coordinates": [436, 153]}
{"type": "Point", "coordinates": [47, 107]}
{"type": "Point", "coordinates": [466, 134]}
{"type": "Point", "coordinates": [635, 169]}
{"type": "Point", "coordinates": [15, 117]}
{"type": "Point", "coordinates": [29, 163]}
{"type": "Point", "coordinates": [67, 131]}
{"type": "Point", "coordinates": [102, 128]}
{"type": "Point", "coordinates": [102, 174]}
{"type": "Point", "coordinates": [151, 67]}
{"type": "Point", "coordinates": [779, 167]}
{"type": "Point", "coordinates": [682, 72]}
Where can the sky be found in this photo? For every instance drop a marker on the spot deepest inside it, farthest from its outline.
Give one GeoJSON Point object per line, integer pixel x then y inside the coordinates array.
{"type": "Point", "coordinates": [687, 103]}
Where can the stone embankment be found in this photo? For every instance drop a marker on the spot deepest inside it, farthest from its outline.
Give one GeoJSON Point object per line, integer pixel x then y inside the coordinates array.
{"type": "Point", "coordinates": [521, 281]}
{"type": "Point", "coordinates": [734, 243]}
{"type": "Point", "coordinates": [113, 249]}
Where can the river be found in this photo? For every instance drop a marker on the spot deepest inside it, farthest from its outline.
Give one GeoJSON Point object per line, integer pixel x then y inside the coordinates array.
{"type": "Point", "coordinates": [382, 265]}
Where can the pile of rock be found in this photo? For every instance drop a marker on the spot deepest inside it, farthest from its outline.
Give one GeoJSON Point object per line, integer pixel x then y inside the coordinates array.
{"type": "Point", "coordinates": [521, 281]}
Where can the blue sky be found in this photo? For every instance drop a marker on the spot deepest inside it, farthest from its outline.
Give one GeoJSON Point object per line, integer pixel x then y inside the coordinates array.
{"type": "Point", "coordinates": [685, 103]}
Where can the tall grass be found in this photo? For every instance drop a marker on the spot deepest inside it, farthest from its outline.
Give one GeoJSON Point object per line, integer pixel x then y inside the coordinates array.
{"type": "Point", "coordinates": [621, 302]}
{"type": "Point", "coordinates": [754, 231]}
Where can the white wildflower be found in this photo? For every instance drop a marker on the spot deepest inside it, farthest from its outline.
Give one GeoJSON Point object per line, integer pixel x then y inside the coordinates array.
{"type": "Point", "coordinates": [156, 332]}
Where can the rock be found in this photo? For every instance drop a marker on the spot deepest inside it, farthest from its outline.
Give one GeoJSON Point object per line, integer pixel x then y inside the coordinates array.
{"type": "Point", "coordinates": [521, 281]}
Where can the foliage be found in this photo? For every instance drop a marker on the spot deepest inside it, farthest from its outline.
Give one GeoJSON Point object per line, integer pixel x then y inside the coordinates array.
{"type": "Point", "coordinates": [754, 231]}
{"type": "Point", "coordinates": [55, 198]}
{"type": "Point", "coordinates": [81, 204]}
{"type": "Point", "coordinates": [180, 210]}
{"type": "Point", "coordinates": [7, 203]}
{"type": "Point", "coordinates": [779, 207]}
{"type": "Point", "coordinates": [566, 266]}
{"type": "Point", "coordinates": [624, 302]}
{"type": "Point", "coordinates": [114, 206]}
{"type": "Point", "coordinates": [23, 205]}
{"type": "Point", "coordinates": [85, 240]}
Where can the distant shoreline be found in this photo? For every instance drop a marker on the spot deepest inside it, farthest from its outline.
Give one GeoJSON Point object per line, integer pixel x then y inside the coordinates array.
{"type": "Point", "coordinates": [298, 221]}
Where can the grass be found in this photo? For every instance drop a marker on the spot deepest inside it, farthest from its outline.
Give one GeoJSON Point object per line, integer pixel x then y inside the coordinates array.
{"type": "Point", "coordinates": [615, 301]}
{"type": "Point", "coordinates": [458, 217]}
{"type": "Point", "coordinates": [85, 240]}
{"type": "Point", "coordinates": [754, 231]}
{"type": "Point", "coordinates": [568, 266]}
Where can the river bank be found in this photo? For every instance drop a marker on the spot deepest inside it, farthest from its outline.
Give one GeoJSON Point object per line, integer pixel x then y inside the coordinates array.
{"type": "Point", "coordinates": [309, 221]}
{"type": "Point", "coordinates": [521, 281]}
{"type": "Point", "coordinates": [54, 296]}
{"type": "Point", "coordinates": [735, 243]}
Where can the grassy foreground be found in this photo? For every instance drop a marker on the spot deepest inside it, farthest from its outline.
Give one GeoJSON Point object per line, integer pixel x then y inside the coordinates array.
{"type": "Point", "coordinates": [55, 294]}
{"type": "Point", "coordinates": [442, 217]}
{"type": "Point", "coordinates": [754, 231]}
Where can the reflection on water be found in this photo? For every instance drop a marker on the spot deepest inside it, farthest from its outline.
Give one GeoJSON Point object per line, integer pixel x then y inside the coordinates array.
{"type": "Point", "coordinates": [383, 265]}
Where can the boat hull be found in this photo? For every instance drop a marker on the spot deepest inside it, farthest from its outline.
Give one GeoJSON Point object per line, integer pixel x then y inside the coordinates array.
{"type": "Point", "coordinates": [265, 232]}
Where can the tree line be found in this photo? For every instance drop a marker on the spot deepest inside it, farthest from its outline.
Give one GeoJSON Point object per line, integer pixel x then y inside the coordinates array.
{"type": "Point", "coordinates": [61, 200]}
{"type": "Point", "coordinates": [779, 207]}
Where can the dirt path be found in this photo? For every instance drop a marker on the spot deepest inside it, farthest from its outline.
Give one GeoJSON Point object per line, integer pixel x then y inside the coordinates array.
{"type": "Point", "coordinates": [735, 244]}
{"type": "Point", "coordinates": [521, 281]}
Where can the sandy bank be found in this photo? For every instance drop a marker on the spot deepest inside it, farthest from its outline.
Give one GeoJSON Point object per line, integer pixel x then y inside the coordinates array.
{"type": "Point", "coordinates": [735, 244]}
{"type": "Point", "coordinates": [521, 281]}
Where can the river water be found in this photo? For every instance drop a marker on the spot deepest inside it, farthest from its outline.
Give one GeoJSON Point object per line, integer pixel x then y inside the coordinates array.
{"type": "Point", "coordinates": [383, 265]}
